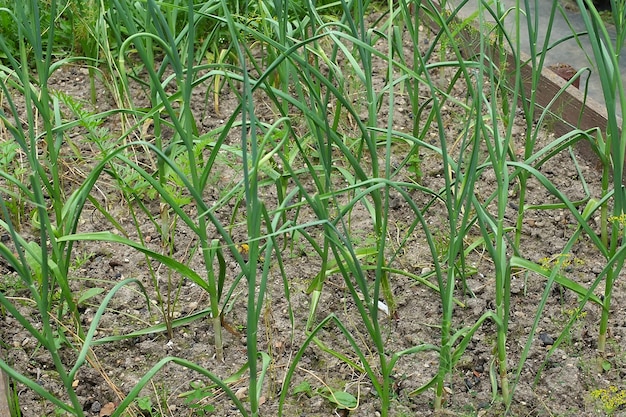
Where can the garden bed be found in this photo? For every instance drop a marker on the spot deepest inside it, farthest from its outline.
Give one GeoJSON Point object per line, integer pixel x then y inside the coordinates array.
{"type": "Point", "coordinates": [329, 378]}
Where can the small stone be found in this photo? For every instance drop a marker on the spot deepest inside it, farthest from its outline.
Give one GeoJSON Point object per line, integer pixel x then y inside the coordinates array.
{"type": "Point", "coordinates": [241, 393]}
{"type": "Point", "coordinates": [546, 339]}
{"type": "Point", "coordinates": [107, 410]}
{"type": "Point", "coordinates": [95, 407]}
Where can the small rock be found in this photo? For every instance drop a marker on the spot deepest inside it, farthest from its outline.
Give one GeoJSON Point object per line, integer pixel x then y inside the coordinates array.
{"type": "Point", "coordinates": [241, 393]}
{"type": "Point", "coordinates": [95, 407]}
{"type": "Point", "coordinates": [546, 339]}
{"type": "Point", "coordinates": [107, 410]}
{"type": "Point", "coordinates": [480, 368]}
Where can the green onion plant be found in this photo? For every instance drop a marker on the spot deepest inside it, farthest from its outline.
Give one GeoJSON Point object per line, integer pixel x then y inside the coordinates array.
{"type": "Point", "coordinates": [43, 263]}
{"type": "Point", "coordinates": [610, 145]}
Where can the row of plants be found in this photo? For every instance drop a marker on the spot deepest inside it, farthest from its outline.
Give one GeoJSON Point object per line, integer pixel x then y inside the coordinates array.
{"type": "Point", "coordinates": [313, 58]}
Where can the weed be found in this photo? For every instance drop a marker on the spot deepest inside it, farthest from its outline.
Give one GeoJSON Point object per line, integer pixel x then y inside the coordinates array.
{"type": "Point", "coordinates": [10, 165]}
{"type": "Point", "coordinates": [564, 260]}
{"type": "Point", "coordinates": [145, 405]}
{"type": "Point", "coordinates": [414, 166]}
{"type": "Point", "coordinates": [197, 399]}
{"type": "Point", "coordinates": [338, 398]}
{"type": "Point", "coordinates": [81, 259]}
{"type": "Point", "coordinates": [610, 399]}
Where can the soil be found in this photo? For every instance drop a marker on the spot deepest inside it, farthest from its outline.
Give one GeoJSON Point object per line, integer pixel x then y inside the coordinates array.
{"type": "Point", "coordinates": [567, 376]}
